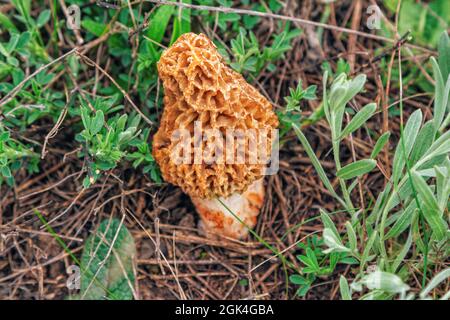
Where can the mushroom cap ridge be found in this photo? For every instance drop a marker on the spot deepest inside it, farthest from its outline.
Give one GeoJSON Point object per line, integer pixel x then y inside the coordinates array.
{"type": "Point", "coordinates": [200, 89]}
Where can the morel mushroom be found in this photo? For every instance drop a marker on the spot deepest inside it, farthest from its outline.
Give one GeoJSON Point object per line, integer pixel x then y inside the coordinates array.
{"type": "Point", "coordinates": [203, 95]}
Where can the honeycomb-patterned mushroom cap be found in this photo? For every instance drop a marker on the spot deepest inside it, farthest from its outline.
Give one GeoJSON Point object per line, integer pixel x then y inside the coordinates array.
{"type": "Point", "coordinates": [200, 89]}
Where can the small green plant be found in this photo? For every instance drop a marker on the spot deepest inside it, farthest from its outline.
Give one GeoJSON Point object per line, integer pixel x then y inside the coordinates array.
{"type": "Point", "coordinates": [107, 264]}
{"type": "Point", "coordinates": [249, 57]}
{"type": "Point", "coordinates": [414, 202]}
{"type": "Point", "coordinates": [143, 156]}
{"type": "Point", "coordinates": [105, 143]}
{"type": "Point", "coordinates": [13, 156]}
{"type": "Point", "coordinates": [317, 263]}
{"type": "Point", "coordinates": [292, 111]}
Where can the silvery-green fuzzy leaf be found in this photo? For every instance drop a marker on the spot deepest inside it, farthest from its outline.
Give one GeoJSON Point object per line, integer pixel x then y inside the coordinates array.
{"type": "Point", "coordinates": [344, 288]}
{"type": "Point", "coordinates": [351, 237]}
{"type": "Point", "coordinates": [315, 161]}
{"type": "Point", "coordinates": [337, 97]}
{"type": "Point", "coordinates": [328, 223]}
{"type": "Point", "coordinates": [430, 208]}
{"type": "Point", "coordinates": [333, 243]}
{"type": "Point", "coordinates": [423, 141]}
{"type": "Point", "coordinates": [359, 119]}
{"type": "Point", "coordinates": [444, 54]}
{"type": "Point", "coordinates": [367, 249]}
{"type": "Point", "coordinates": [403, 222]}
{"type": "Point", "coordinates": [442, 90]}
{"type": "Point", "coordinates": [402, 194]}
{"type": "Point", "coordinates": [381, 142]}
{"type": "Point", "coordinates": [406, 143]}
{"type": "Point", "coordinates": [356, 169]}
{"type": "Point", "coordinates": [444, 275]}
{"type": "Point", "coordinates": [431, 173]}
{"type": "Point", "coordinates": [384, 281]}
{"type": "Point", "coordinates": [356, 286]}
{"type": "Point", "coordinates": [442, 185]}
{"type": "Point", "coordinates": [399, 258]}
{"type": "Point", "coordinates": [440, 147]}
{"type": "Point", "coordinates": [343, 90]}
{"type": "Point", "coordinates": [353, 87]}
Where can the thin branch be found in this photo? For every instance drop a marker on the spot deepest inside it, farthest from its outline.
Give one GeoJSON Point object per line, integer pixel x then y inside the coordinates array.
{"type": "Point", "coordinates": [14, 91]}
{"type": "Point", "coordinates": [125, 94]}
{"type": "Point", "coordinates": [285, 18]}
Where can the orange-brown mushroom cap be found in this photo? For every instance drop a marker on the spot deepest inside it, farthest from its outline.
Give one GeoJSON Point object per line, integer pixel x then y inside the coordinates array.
{"type": "Point", "coordinates": [200, 88]}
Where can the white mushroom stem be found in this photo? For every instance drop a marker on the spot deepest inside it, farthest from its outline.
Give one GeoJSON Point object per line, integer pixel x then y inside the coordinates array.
{"type": "Point", "coordinates": [216, 218]}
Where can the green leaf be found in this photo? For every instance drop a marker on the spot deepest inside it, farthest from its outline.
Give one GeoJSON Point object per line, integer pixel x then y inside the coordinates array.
{"type": "Point", "coordinates": [344, 288]}
{"type": "Point", "coordinates": [7, 23]}
{"type": "Point", "coordinates": [94, 27]}
{"type": "Point", "coordinates": [333, 243]}
{"type": "Point", "coordinates": [6, 172]}
{"type": "Point", "coordinates": [442, 276]}
{"type": "Point", "coordinates": [367, 249]}
{"type": "Point", "coordinates": [13, 41]}
{"type": "Point", "coordinates": [4, 136]}
{"type": "Point", "coordinates": [351, 236]}
{"type": "Point", "coordinates": [107, 263]}
{"type": "Point", "coordinates": [431, 210]}
{"type": "Point", "coordinates": [423, 142]}
{"type": "Point", "coordinates": [444, 55]}
{"type": "Point", "coordinates": [182, 22]}
{"type": "Point", "coordinates": [43, 18]}
{"type": "Point", "coordinates": [97, 122]}
{"type": "Point", "coordinates": [400, 256]}
{"type": "Point", "coordinates": [3, 50]}
{"type": "Point", "coordinates": [359, 119]}
{"type": "Point", "coordinates": [24, 8]}
{"type": "Point", "coordinates": [310, 93]}
{"type": "Point", "coordinates": [403, 221]}
{"type": "Point", "coordinates": [354, 87]}
{"type": "Point", "coordinates": [298, 279]}
{"type": "Point", "coordinates": [312, 257]}
{"type": "Point", "coordinates": [356, 169]}
{"type": "Point", "coordinates": [328, 223]}
{"type": "Point", "coordinates": [406, 143]}
{"type": "Point", "coordinates": [85, 118]}
{"type": "Point", "coordinates": [442, 90]}
{"type": "Point", "coordinates": [384, 281]}
{"type": "Point", "coordinates": [381, 142]}
{"type": "Point", "coordinates": [439, 147]}
{"type": "Point", "coordinates": [159, 21]}
{"type": "Point", "coordinates": [442, 185]}
{"type": "Point", "coordinates": [24, 40]}
{"type": "Point", "coordinates": [315, 162]}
